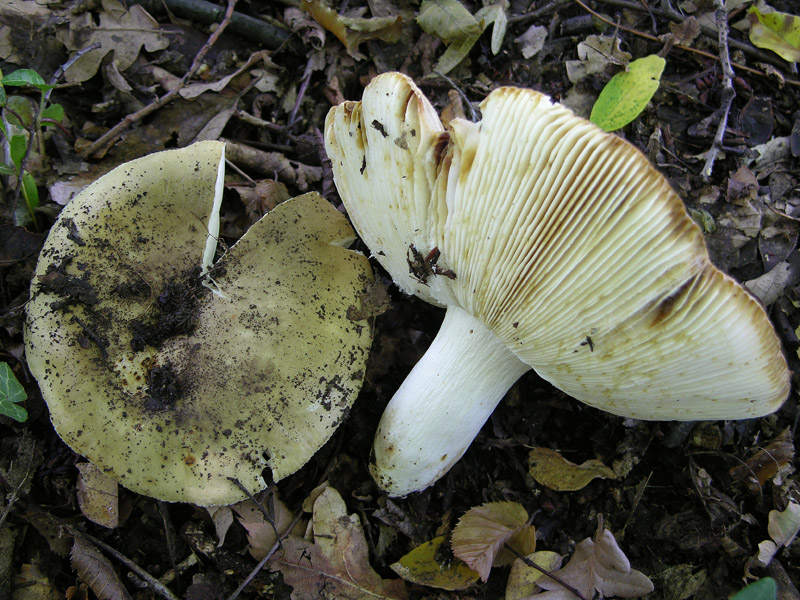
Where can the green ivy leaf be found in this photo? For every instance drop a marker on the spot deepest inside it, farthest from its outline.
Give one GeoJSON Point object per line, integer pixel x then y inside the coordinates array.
{"type": "Point", "coordinates": [24, 77]}
{"type": "Point", "coordinates": [763, 589]}
{"type": "Point", "coordinates": [11, 394]}
{"type": "Point", "coordinates": [628, 93]}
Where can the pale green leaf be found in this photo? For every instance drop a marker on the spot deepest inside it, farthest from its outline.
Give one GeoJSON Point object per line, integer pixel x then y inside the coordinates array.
{"type": "Point", "coordinates": [494, 15]}
{"type": "Point", "coordinates": [455, 53]}
{"type": "Point", "coordinates": [776, 31]}
{"type": "Point", "coordinates": [448, 20]}
{"type": "Point", "coordinates": [628, 93]}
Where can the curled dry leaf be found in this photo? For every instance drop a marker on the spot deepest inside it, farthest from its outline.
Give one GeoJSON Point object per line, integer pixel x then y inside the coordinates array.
{"type": "Point", "coordinates": [480, 535]}
{"type": "Point", "coordinates": [352, 31]}
{"type": "Point", "coordinates": [260, 533]}
{"type": "Point", "coordinates": [775, 458]}
{"type": "Point", "coordinates": [98, 496]}
{"type": "Point", "coordinates": [96, 571]}
{"type": "Point", "coordinates": [553, 471]}
{"type": "Point", "coordinates": [433, 565]}
{"type": "Point", "coordinates": [335, 563]}
{"type": "Point", "coordinates": [597, 565]}
{"type": "Point", "coordinates": [782, 528]}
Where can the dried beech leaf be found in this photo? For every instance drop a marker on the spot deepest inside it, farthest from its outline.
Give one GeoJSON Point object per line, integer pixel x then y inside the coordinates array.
{"type": "Point", "coordinates": [335, 564]}
{"type": "Point", "coordinates": [222, 517]}
{"type": "Point", "coordinates": [775, 458]}
{"type": "Point", "coordinates": [552, 470]}
{"type": "Point", "coordinates": [481, 533]}
{"type": "Point", "coordinates": [95, 571]}
{"type": "Point", "coordinates": [598, 565]}
{"type": "Point", "coordinates": [98, 497]}
{"type": "Point", "coordinates": [783, 528]}
{"type": "Point", "coordinates": [260, 533]}
{"type": "Point", "coordinates": [431, 564]}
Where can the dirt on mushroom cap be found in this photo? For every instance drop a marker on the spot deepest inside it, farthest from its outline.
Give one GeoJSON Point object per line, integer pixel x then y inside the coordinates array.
{"type": "Point", "coordinates": [167, 386]}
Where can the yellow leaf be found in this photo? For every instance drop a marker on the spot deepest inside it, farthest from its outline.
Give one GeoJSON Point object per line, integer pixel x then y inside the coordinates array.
{"type": "Point", "coordinates": [433, 565]}
{"type": "Point", "coordinates": [776, 31]}
{"type": "Point", "coordinates": [522, 579]}
{"type": "Point", "coordinates": [552, 470]}
{"type": "Point", "coordinates": [628, 93]}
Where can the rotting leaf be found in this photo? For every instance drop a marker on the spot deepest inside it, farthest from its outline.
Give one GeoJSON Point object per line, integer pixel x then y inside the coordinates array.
{"type": "Point", "coordinates": [98, 496]}
{"type": "Point", "coordinates": [598, 565]}
{"type": "Point", "coordinates": [532, 41]}
{"type": "Point", "coordinates": [433, 564]}
{"type": "Point", "coordinates": [776, 31]}
{"type": "Point", "coordinates": [783, 527]}
{"type": "Point", "coordinates": [352, 31]}
{"type": "Point", "coordinates": [482, 531]}
{"type": "Point", "coordinates": [553, 471]}
{"type": "Point", "coordinates": [335, 564]}
{"type": "Point", "coordinates": [96, 571]}
{"type": "Point", "coordinates": [628, 93]}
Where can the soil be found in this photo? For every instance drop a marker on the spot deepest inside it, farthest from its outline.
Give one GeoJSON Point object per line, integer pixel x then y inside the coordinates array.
{"type": "Point", "coordinates": [690, 502]}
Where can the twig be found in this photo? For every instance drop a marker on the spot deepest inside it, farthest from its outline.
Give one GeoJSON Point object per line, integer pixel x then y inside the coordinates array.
{"type": "Point", "coordinates": [104, 142]}
{"type": "Point", "coordinates": [269, 554]}
{"type": "Point", "coordinates": [702, 53]}
{"type": "Point", "coordinates": [545, 572]}
{"type": "Point", "coordinates": [728, 93]}
{"type": "Point", "coordinates": [539, 12]}
{"type": "Point", "coordinates": [270, 519]}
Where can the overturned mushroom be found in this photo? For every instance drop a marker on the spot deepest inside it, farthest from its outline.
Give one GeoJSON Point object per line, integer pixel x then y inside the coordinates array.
{"type": "Point", "coordinates": [174, 373]}
{"type": "Point", "coordinates": [554, 246]}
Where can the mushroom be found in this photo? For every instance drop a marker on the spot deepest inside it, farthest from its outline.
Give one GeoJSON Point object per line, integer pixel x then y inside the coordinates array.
{"type": "Point", "coordinates": [172, 372]}
{"type": "Point", "coordinates": [553, 246]}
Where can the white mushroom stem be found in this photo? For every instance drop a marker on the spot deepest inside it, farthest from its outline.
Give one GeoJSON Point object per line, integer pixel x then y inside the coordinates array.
{"type": "Point", "coordinates": [442, 405]}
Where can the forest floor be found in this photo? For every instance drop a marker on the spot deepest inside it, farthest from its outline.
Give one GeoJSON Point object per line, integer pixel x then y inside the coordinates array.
{"type": "Point", "coordinates": [688, 504]}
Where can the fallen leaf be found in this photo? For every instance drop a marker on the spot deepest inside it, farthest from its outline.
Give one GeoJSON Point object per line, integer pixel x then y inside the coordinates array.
{"type": "Point", "coordinates": [98, 496]}
{"type": "Point", "coordinates": [597, 565]}
{"type": "Point", "coordinates": [352, 31]}
{"type": "Point", "coordinates": [260, 533]}
{"type": "Point", "coordinates": [433, 564]}
{"type": "Point", "coordinates": [553, 471]}
{"type": "Point", "coordinates": [783, 527]}
{"type": "Point", "coordinates": [96, 571]}
{"type": "Point", "coordinates": [494, 15]}
{"type": "Point", "coordinates": [522, 579]}
{"type": "Point", "coordinates": [686, 31]}
{"type": "Point", "coordinates": [32, 583]}
{"type": "Point", "coordinates": [773, 459]}
{"type": "Point", "coordinates": [532, 41]}
{"type": "Point", "coordinates": [771, 285]}
{"type": "Point", "coordinates": [335, 563]}
{"type": "Point", "coordinates": [222, 517]}
{"type": "Point", "coordinates": [448, 20]}
{"type": "Point", "coordinates": [628, 93]}
{"type": "Point", "coordinates": [776, 31]}
{"type": "Point", "coordinates": [481, 533]}
{"type": "Point", "coordinates": [595, 53]}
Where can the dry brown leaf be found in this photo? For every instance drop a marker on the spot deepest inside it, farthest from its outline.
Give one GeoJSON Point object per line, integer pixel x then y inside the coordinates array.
{"type": "Point", "coordinates": [335, 564]}
{"type": "Point", "coordinates": [98, 496]}
{"type": "Point", "coordinates": [597, 565]}
{"type": "Point", "coordinates": [260, 533]}
{"type": "Point", "coordinates": [773, 459]}
{"type": "Point", "coordinates": [480, 535]}
{"type": "Point", "coordinates": [553, 471]}
{"type": "Point", "coordinates": [96, 571]}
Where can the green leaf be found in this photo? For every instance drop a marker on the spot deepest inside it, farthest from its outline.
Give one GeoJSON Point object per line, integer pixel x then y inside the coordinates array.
{"type": "Point", "coordinates": [30, 192]}
{"type": "Point", "coordinates": [54, 112]}
{"type": "Point", "coordinates": [27, 77]}
{"type": "Point", "coordinates": [3, 97]}
{"type": "Point", "coordinates": [776, 31]}
{"type": "Point", "coordinates": [763, 589]}
{"type": "Point", "coordinates": [7, 169]}
{"type": "Point", "coordinates": [18, 146]}
{"type": "Point", "coordinates": [494, 15]}
{"type": "Point", "coordinates": [11, 393]}
{"type": "Point", "coordinates": [448, 20]}
{"type": "Point", "coordinates": [628, 93]}
{"type": "Point", "coordinates": [455, 53]}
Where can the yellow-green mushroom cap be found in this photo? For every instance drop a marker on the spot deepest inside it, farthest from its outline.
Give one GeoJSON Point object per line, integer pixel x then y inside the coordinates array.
{"type": "Point", "coordinates": [173, 373]}
{"type": "Point", "coordinates": [554, 246]}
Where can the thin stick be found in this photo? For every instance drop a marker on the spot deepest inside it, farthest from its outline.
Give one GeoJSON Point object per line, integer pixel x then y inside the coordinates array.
{"type": "Point", "coordinates": [104, 142]}
{"type": "Point", "coordinates": [728, 93]}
